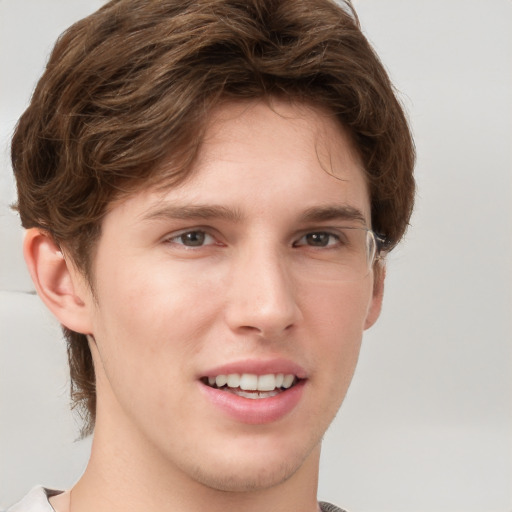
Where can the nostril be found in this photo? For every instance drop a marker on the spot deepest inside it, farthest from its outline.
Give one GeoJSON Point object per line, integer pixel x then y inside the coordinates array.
{"type": "Point", "coordinates": [266, 332]}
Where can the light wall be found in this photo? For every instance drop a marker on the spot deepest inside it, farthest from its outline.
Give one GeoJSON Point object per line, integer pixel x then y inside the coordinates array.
{"type": "Point", "coordinates": [427, 424]}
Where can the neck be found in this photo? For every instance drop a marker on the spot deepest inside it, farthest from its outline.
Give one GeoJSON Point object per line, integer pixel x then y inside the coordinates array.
{"type": "Point", "coordinates": [126, 475]}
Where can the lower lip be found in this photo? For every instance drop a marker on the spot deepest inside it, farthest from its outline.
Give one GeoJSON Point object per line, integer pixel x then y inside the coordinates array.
{"type": "Point", "coordinates": [255, 411]}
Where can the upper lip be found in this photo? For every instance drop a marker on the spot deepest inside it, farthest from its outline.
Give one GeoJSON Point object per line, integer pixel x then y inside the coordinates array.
{"type": "Point", "coordinates": [258, 367]}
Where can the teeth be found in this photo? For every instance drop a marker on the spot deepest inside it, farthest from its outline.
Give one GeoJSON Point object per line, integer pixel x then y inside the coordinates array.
{"type": "Point", "coordinates": [248, 382]}
{"type": "Point", "coordinates": [267, 382]}
{"type": "Point", "coordinates": [233, 381]}
{"type": "Point", "coordinates": [252, 382]}
{"type": "Point", "coordinates": [288, 381]}
{"type": "Point", "coordinates": [255, 396]}
{"type": "Point", "coordinates": [221, 380]}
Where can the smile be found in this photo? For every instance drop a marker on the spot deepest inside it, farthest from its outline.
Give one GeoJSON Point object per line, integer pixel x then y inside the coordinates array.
{"type": "Point", "coordinates": [265, 392]}
{"type": "Point", "coordinates": [249, 385]}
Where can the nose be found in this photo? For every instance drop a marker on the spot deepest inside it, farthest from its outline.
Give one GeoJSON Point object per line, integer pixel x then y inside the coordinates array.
{"type": "Point", "coordinates": [262, 296]}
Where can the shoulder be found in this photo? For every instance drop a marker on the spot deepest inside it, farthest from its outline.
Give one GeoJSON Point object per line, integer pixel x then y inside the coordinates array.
{"type": "Point", "coordinates": [35, 501]}
{"type": "Point", "coordinates": [327, 507]}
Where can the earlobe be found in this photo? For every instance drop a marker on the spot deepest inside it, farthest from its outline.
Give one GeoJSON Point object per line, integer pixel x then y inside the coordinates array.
{"type": "Point", "coordinates": [57, 282]}
{"type": "Point", "coordinates": [378, 294]}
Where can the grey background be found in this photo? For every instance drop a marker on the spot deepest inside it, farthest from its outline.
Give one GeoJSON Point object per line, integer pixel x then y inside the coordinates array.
{"type": "Point", "coordinates": [427, 423]}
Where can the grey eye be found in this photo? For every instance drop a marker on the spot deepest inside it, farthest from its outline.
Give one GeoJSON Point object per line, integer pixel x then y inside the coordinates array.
{"type": "Point", "coordinates": [193, 238]}
{"type": "Point", "coordinates": [318, 239]}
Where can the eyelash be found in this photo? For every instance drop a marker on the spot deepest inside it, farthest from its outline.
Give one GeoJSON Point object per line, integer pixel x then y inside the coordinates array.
{"type": "Point", "coordinates": [203, 234]}
{"type": "Point", "coordinates": [332, 236]}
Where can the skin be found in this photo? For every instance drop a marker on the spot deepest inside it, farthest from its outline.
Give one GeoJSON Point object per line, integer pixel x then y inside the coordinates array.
{"type": "Point", "coordinates": [164, 314]}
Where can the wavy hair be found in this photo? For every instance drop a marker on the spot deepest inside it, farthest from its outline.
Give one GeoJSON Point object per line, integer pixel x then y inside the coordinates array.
{"type": "Point", "coordinates": [131, 86]}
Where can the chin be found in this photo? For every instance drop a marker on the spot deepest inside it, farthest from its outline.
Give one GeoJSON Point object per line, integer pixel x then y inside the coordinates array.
{"type": "Point", "coordinates": [254, 470]}
{"type": "Point", "coordinates": [247, 479]}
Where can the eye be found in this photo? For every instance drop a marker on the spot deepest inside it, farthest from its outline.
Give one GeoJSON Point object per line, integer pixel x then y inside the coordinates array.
{"type": "Point", "coordinates": [318, 239]}
{"type": "Point", "coordinates": [194, 238]}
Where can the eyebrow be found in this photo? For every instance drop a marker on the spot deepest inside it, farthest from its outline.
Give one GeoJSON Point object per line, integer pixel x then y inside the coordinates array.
{"type": "Point", "coordinates": [196, 211]}
{"type": "Point", "coordinates": [199, 211]}
{"type": "Point", "coordinates": [333, 212]}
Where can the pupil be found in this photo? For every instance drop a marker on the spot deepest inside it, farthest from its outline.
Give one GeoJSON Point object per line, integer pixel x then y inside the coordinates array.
{"type": "Point", "coordinates": [318, 239]}
{"type": "Point", "coordinates": [194, 238]}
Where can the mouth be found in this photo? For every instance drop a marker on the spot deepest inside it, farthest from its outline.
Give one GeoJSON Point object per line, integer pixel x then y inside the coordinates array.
{"type": "Point", "coordinates": [252, 386]}
{"type": "Point", "coordinates": [255, 391]}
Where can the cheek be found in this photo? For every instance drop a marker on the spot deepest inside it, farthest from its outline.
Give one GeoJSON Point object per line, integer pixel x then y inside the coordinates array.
{"type": "Point", "coordinates": [147, 332]}
{"type": "Point", "coordinates": [339, 310]}
{"type": "Point", "coordinates": [154, 298]}
{"type": "Point", "coordinates": [337, 319]}
{"type": "Point", "coordinates": [150, 323]}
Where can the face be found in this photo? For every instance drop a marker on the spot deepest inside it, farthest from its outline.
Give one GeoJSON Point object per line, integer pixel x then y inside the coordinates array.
{"type": "Point", "coordinates": [211, 287]}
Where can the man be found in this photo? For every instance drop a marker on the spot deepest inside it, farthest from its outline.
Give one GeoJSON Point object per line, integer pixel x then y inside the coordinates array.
{"type": "Point", "coordinates": [210, 189]}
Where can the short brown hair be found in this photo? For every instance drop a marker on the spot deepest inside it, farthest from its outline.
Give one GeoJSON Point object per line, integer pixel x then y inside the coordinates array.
{"type": "Point", "coordinates": [131, 86]}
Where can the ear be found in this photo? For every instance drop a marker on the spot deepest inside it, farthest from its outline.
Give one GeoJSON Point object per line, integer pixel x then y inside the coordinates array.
{"type": "Point", "coordinates": [379, 275]}
{"type": "Point", "coordinates": [57, 281]}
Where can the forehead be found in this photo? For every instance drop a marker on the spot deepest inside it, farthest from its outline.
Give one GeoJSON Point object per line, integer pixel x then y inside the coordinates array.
{"type": "Point", "coordinates": [285, 130]}
{"type": "Point", "coordinates": [259, 155]}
